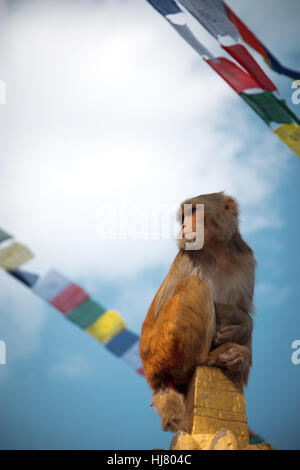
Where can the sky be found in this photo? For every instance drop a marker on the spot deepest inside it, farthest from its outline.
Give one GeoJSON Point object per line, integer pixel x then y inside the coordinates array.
{"type": "Point", "coordinates": [106, 105]}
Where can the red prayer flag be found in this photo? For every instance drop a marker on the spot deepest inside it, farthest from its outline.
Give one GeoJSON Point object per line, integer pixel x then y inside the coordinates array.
{"type": "Point", "coordinates": [232, 74]}
{"type": "Point", "coordinates": [70, 298]}
{"type": "Point", "coordinates": [244, 58]}
{"type": "Point", "coordinates": [246, 34]}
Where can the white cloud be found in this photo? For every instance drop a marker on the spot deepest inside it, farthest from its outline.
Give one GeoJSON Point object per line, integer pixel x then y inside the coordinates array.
{"type": "Point", "coordinates": [111, 105]}
{"type": "Point", "coordinates": [70, 366]}
{"type": "Point", "coordinates": [108, 103]}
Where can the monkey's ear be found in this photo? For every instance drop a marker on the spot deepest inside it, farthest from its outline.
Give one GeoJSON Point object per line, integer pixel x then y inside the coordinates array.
{"type": "Point", "coordinates": [231, 206]}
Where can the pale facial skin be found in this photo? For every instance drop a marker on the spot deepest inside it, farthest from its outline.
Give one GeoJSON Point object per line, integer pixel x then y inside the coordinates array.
{"type": "Point", "coordinates": [189, 226]}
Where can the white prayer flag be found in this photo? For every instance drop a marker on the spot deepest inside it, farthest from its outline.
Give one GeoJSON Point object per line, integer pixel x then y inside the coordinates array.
{"type": "Point", "coordinates": [132, 356]}
{"type": "Point", "coordinates": [187, 34]}
{"type": "Point", "coordinates": [211, 17]}
{"type": "Point", "coordinates": [50, 285]}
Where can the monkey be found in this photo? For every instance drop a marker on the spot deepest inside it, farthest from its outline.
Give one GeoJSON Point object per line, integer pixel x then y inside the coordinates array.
{"type": "Point", "coordinates": [202, 312]}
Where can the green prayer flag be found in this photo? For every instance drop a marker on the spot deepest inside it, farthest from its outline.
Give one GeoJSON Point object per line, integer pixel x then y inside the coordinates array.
{"type": "Point", "coordinates": [4, 236]}
{"type": "Point", "coordinates": [86, 313]}
{"type": "Point", "coordinates": [270, 108]}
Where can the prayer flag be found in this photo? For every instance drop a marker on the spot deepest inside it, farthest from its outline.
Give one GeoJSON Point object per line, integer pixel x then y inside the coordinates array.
{"type": "Point", "coordinates": [122, 342]}
{"type": "Point", "coordinates": [290, 135]}
{"type": "Point", "coordinates": [242, 56]}
{"type": "Point", "coordinates": [232, 74]}
{"type": "Point", "coordinates": [212, 18]}
{"type": "Point", "coordinates": [132, 356]}
{"type": "Point", "coordinates": [165, 7]}
{"type": "Point", "coordinates": [50, 285]}
{"type": "Point", "coordinates": [4, 236]}
{"type": "Point", "coordinates": [269, 108]}
{"type": "Point", "coordinates": [70, 298]}
{"type": "Point", "coordinates": [14, 255]}
{"type": "Point", "coordinates": [107, 326]}
{"type": "Point", "coordinates": [86, 313]}
{"type": "Point", "coordinates": [29, 279]}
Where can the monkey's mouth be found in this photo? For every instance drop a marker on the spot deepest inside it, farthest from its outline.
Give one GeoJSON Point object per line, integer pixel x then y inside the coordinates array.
{"type": "Point", "coordinates": [189, 236]}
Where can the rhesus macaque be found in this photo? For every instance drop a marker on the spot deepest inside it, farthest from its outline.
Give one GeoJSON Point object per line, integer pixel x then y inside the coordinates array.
{"type": "Point", "coordinates": [201, 313]}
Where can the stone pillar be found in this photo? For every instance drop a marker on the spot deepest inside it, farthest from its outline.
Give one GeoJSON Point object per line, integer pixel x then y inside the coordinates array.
{"type": "Point", "coordinates": [215, 414]}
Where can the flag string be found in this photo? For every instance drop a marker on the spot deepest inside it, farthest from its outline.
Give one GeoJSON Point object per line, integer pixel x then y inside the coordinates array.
{"type": "Point", "coordinates": [249, 81]}
{"type": "Point", "coordinates": [71, 300]}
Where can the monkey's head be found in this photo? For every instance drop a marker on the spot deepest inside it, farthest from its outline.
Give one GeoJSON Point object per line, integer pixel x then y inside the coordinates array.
{"type": "Point", "coordinates": [217, 219]}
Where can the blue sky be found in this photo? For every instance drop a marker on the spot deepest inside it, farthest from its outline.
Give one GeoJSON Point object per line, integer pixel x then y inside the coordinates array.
{"type": "Point", "coordinates": [107, 104]}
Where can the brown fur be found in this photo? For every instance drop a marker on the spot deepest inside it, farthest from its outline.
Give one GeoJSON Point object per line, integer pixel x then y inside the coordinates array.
{"type": "Point", "coordinates": [201, 313]}
{"type": "Point", "coordinates": [172, 401]}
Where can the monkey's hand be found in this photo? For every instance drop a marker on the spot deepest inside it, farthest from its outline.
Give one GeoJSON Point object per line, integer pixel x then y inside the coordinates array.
{"type": "Point", "coordinates": [235, 333]}
{"type": "Point", "coordinates": [233, 357]}
{"type": "Point", "coordinates": [232, 324]}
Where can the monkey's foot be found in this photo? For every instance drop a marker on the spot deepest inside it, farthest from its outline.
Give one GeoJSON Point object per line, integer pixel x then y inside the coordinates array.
{"type": "Point", "coordinates": [231, 359]}
{"type": "Point", "coordinates": [170, 406]}
{"type": "Point", "coordinates": [172, 423]}
{"type": "Point", "coordinates": [172, 415]}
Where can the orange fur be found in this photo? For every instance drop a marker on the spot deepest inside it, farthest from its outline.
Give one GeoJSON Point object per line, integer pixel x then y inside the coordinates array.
{"type": "Point", "coordinates": [171, 334]}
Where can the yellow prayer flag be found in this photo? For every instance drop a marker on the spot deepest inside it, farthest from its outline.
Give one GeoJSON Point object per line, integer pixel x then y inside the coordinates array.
{"type": "Point", "coordinates": [290, 135]}
{"type": "Point", "coordinates": [14, 255]}
{"type": "Point", "coordinates": [107, 326]}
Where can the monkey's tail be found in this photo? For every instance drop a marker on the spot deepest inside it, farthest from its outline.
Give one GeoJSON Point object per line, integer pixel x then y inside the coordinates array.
{"type": "Point", "coordinates": [170, 405]}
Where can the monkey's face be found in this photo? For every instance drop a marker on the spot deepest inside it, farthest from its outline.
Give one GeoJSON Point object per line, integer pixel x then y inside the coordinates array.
{"type": "Point", "coordinates": [208, 219]}
{"type": "Point", "coordinates": [188, 227]}
{"type": "Point", "coordinates": [192, 230]}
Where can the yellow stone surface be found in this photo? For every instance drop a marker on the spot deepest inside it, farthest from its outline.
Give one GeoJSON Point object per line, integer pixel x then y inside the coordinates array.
{"type": "Point", "coordinates": [215, 402]}
{"type": "Point", "coordinates": [183, 441]}
{"type": "Point", "coordinates": [223, 440]}
{"type": "Point", "coordinates": [261, 446]}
